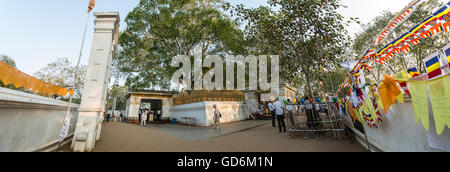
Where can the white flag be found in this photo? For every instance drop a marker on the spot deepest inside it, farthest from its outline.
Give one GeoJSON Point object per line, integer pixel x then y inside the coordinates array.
{"type": "Point", "coordinates": [65, 129]}
{"type": "Point", "coordinates": [349, 65]}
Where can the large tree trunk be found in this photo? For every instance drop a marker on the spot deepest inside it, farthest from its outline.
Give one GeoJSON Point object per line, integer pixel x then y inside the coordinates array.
{"type": "Point", "coordinates": [308, 81]}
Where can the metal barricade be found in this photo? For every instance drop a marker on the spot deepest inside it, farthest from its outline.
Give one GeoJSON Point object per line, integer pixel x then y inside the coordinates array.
{"type": "Point", "coordinates": [325, 120]}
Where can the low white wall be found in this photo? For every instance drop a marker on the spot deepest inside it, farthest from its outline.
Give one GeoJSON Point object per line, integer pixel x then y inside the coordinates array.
{"type": "Point", "coordinates": [203, 112]}
{"type": "Point", "coordinates": [31, 123]}
{"type": "Point", "coordinates": [399, 133]}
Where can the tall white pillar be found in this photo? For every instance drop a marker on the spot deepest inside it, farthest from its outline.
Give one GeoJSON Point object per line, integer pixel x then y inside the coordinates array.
{"type": "Point", "coordinates": [93, 101]}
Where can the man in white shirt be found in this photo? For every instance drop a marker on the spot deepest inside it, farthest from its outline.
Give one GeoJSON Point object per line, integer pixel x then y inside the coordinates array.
{"type": "Point", "coordinates": [279, 112]}
{"type": "Point", "coordinates": [144, 118]}
{"type": "Point", "coordinates": [272, 112]}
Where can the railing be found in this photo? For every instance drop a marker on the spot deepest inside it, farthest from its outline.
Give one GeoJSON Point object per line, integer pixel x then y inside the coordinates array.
{"type": "Point", "coordinates": [327, 120]}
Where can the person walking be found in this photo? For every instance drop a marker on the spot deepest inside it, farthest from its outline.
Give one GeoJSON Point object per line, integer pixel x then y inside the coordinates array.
{"type": "Point", "coordinates": [279, 112]}
{"type": "Point", "coordinates": [217, 116]}
{"type": "Point", "coordinates": [272, 112]}
{"type": "Point", "coordinates": [144, 118]}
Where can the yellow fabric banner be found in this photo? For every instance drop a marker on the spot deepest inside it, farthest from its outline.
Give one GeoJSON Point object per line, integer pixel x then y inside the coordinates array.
{"type": "Point", "coordinates": [419, 98]}
{"type": "Point", "coordinates": [10, 75]}
{"type": "Point", "coordinates": [400, 99]}
{"type": "Point", "coordinates": [368, 108]}
{"type": "Point", "coordinates": [388, 92]}
{"type": "Point", "coordinates": [402, 76]}
{"type": "Point", "coordinates": [440, 102]}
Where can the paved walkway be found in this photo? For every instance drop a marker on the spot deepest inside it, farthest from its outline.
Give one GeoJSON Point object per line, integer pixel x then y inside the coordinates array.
{"type": "Point", "coordinates": [122, 137]}
{"type": "Point", "coordinates": [193, 133]}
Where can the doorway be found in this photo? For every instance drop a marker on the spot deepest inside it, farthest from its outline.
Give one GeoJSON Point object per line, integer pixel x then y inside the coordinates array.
{"type": "Point", "coordinates": [155, 108]}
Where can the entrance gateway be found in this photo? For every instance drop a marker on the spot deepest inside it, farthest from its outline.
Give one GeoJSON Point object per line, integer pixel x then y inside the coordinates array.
{"type": "Point", "coordinates": [158, 102]}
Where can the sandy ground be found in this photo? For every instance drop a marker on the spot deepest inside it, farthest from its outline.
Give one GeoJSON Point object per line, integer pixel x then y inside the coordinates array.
{"type": "Point", "coordinates": [121, 137]}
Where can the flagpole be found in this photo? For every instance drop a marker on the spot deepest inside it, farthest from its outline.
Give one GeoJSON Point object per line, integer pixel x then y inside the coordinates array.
{"type": "Point", "coordinates": [76, 71]}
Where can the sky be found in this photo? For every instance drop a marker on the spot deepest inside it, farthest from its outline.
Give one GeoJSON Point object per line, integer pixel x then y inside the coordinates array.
{"type": "Point", "coordinates": [36, 33]}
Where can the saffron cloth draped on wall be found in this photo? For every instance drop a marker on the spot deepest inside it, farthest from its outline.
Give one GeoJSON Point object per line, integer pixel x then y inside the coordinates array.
{"type": "Point", "coordinates": [10, 75]}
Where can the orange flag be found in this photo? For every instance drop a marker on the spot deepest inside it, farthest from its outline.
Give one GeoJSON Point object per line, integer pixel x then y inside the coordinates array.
{"type": "Point", "coordinates": [389, 92]}
{"type": "Point", "coordinates": [91, 5]}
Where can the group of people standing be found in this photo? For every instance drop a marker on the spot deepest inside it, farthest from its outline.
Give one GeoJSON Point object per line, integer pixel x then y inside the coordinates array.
{"type": "Point", "coordinates": [119, 117]}
{"type": "Point", "coordinates": [277, 111]}
{"type": "Point", "coordinates": [145, 114]}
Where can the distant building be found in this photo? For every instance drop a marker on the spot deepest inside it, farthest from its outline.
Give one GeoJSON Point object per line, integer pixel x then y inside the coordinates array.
{"type": "Point", "coordinates": [195, 107]}
{"type": "Point", "coordinates": [156, 101]}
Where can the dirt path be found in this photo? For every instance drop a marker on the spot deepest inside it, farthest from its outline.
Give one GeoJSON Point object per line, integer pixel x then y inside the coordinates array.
{"type": "Point", "coordinates": [121, 137]}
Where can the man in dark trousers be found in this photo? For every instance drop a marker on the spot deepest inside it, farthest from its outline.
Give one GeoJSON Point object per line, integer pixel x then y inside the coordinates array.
{"type": "Point", "coordinates": [272, 112]}
{"type": "Point", "coordinates": [280, 115]}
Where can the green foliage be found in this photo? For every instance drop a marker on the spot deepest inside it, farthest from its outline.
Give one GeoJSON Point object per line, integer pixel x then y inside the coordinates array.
{"type": "Point", "coordinates": [158, 30]}
{"type": "Point", "coordinates": [62, 73]}
{"type": "Point", "coordinates": [308, 34]}
{"type": "Point", "coordinates": [120, 93]}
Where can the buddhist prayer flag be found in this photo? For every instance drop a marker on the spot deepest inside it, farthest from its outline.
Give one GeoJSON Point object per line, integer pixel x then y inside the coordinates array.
{"type": "Point", "coordinates": [91, 5]}
{"type": "Point", "coordinates": [395, 22]}
{"type": "Point", "coordinates": [389, 92]}
{"type": "Point", "coordinates": [349, 65]}
{"type": "Point", "coordinates": [440, 98]}
{"type": "Point", "coordinates": [419, 99]}
{"type": "Point", "coordinates": [370, 54]}
{"type": "Point", "coordinates": [413, 72]}
{"type": "Point", "coordinates": [440, 101]}
{"type": "Point", "coordinates": [402, 79]}
{"type": "Point", "coordinates": [438, 22]}
{"type": "Point", "coordinates": [375, 105]}
{"type": "Point", "coordinates": [433, 66]}
{"type": "Point", "coordinates": [446, 51]}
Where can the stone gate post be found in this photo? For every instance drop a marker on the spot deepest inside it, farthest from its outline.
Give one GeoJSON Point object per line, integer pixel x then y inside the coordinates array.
{"type": "Point", "coordinates": [93, 101]}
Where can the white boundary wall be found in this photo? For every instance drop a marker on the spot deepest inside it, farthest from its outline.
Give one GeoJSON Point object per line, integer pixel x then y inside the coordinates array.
{"type": "Point", "coordinates": [203, 112]}
{"type": "Point", "coordinates": [31, 123]}
{"type": "Point", "coordinates": [399, 133]}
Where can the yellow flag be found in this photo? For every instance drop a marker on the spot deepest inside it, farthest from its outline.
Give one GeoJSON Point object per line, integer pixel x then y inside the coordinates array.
{"type": "Point", "coordinates": [440, 102]}
{"type": "Point", "coordinates": [400, 99]}
{"type": "Point", "coordinates": [402, 76]}
{"type": "Point", "coordinates": [419, 98]}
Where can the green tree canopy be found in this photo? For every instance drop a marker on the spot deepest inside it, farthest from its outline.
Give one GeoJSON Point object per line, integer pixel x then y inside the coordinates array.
{"type": "Point", "coordinates": [62, 73]}
{"type": "Point", "coordinates": [158, 30]}
{"type": "Point", "coordinates": [307, 34]}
